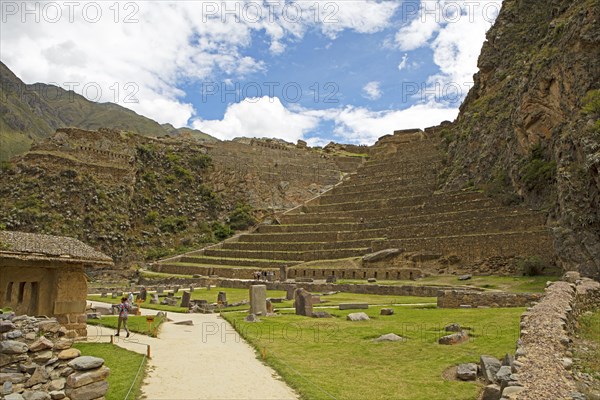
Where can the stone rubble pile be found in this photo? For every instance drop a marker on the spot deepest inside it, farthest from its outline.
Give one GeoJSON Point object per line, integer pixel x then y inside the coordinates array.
{"type": "Point", "coordinates": [37, 362]}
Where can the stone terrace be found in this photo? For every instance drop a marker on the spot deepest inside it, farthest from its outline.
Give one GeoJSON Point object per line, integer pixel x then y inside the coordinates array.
{"type": "Point", "coordinates": [390, 202]}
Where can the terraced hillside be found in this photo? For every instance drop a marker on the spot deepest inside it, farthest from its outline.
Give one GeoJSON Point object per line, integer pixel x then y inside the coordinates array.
{"type": "Point", "coordinates": [391, 202]}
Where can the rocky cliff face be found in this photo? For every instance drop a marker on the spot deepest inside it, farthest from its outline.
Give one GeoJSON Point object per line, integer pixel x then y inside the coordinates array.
{"type": "Point", "coordinates": [529, 126]}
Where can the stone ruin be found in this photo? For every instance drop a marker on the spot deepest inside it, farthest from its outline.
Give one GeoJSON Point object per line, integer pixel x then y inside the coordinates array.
{"type": "Point", "coordinates": [38, 362]}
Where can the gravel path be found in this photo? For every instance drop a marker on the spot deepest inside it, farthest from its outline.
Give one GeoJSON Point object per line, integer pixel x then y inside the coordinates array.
{"type": "Point", "coordinates": [208, 361]}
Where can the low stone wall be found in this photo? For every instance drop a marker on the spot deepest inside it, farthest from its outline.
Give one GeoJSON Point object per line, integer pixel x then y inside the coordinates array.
{"type": "Point", "coordinates": [388, 290]}
{"type": "Point", "coordinates": [463, 298]}
{"type": "Point", "coordinates": [544, 348]}
{"type": "Point", "coordinates": [406, 290]}
{"type": "Point", "coordinates": [356, 273]}
{"type": "Point", "coordinates": [37, 362]}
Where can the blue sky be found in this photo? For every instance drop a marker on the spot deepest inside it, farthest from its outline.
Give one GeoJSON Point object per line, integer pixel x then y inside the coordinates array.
{"type": "Point", "coordinates": [348, 71]}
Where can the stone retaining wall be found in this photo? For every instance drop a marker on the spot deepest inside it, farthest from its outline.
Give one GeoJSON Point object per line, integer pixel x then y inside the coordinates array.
{"type": "Point", "coordinates": [544, 348]}
{"type": "Point", "coordinates": [38, 362]}
{"type": "Point", "coordinates": [462, 298]}
{"type": "Point", "coordinates": [170, 283]}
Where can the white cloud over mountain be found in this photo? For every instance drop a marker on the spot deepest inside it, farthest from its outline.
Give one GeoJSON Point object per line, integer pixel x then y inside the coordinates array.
{"type": "Point", "coordinates": [142, 54]}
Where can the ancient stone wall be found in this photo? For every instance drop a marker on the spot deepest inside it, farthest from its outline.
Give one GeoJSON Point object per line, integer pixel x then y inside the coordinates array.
{"type": "Point", "coordinates": [544, 348]}
{"type": "Point", "coordinates": [43, 290]}
{"type": "Point", "coordinates": [38, 362]}
{"type": "Point", "coordinates": [462, 298]}
{"type": "Point", "coordinates": [388, 290]}
{"type": "Point", "coordinates": [291, 175]}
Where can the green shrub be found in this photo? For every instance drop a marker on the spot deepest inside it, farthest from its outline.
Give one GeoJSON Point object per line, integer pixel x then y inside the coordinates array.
{"type": "Point", "coordinates": [170, 178]}
{"type": "Point", "coordinates": [173, 224]}
{"type": "Point", "coordinates": [532, 266]}
{"type": "Point", "coordinates": [201, 161]}
{"type": "Point", "coordinates": [183, 173]}
{"type": "Point", "coordinates": [241, 217]}
{"type": "Point", "coordinates": [173, 158]}
{"type": "Point", "coordinates": [221, 231]}
{"type": "Point", "coordinates": [591, 103]}
{"type": "Point", "coordinates": [6, 166]}
{"type": "Point", "coordinates": [151, 217]}
{"type": "Point", "coordinates": [156, 253]}
{"type": "Point", "coordinates": [146, 151]}
{"type": "Point", "coordinates": [538, 172]}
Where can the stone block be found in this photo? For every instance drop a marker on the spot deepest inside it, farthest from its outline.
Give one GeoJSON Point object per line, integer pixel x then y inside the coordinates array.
{"type": "Point", "coordinates": [489, 368]}
{"type": "Point", "coordinates": [303, 302]}
{"type": "Point", "coordinates": [258, 299]}
{"type": "Point", "coordinates": [79, 379]}
{"type": "Point", "coordinates": [491, 392]}
{"type": "Point", "coordinates": [185, 299]}
{"type": "Point", "coordinates": [467, 372]}
{"type": "Point", "coordinates": [360, 316]}
{"type": "Point", "coordinates": [88, 392]}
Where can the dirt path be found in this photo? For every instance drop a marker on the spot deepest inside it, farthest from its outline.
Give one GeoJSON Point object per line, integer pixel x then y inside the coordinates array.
{"type": "Point", "coordinates": [208, 361]}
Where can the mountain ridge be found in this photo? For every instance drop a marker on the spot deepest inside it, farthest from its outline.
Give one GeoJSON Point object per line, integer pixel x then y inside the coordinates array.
{"type": "Point", "coordinates": [29, 113]}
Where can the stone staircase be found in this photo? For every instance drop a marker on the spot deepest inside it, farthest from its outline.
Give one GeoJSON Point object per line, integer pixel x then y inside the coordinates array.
{"type": "Point", "coordinates": [390, 202]}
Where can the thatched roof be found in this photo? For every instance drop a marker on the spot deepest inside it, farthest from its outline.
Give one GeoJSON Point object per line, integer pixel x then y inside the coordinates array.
{"type": "Point", "coordinates": [32, 244]}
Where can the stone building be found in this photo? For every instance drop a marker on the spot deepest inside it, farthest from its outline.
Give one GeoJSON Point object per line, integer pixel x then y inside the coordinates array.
{"type": "Point", "coordinates": [44, 275]}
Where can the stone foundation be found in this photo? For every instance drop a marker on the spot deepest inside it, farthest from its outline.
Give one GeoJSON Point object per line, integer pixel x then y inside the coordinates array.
{"type": "Point", "coordinates": [37, 362]}
{"type": "Point", "coordinates": [464, 298]}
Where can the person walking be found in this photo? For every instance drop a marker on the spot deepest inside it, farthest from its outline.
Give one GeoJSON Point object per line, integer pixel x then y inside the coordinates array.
{"type": "Point", "coordinates": [124, 308]}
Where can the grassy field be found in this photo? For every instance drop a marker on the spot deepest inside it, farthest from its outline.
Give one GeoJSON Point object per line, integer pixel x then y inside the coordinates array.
{"type": "Point", "coordinates": [328, 358]}
{"type": "Point", "coordinates": [135, 323]}
{"type": "Point", "coordinates": [589, 331]}
{"type": "Point", "coordinates": [237, 295]}
{"type": "Point", "coordinates": [123, 364]}
{"type": "Point", "coordinates": [513, 284]}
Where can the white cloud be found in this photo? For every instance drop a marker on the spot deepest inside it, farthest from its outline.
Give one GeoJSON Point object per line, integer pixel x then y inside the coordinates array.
{"type": "Point", "coordinates": [167, 44]}
{"type": "Point", "coordinates": [260, 117]}
{"type": "Point", "coordinates": [372, 90]}
{"type": "Point", "coordinates": [416, 34]}
{"type": "Point", "coordinates": [455, 32]}
{"type": "Point", "coordinates": [404, 63]}
{"type": "Point", "coordinates": [362, 126]}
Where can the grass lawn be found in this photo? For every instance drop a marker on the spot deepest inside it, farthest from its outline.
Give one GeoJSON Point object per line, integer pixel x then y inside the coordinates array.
{"type": "Point", "coordinates": [135, 323]}
{"type": "Point", "coordinates": [237, 295]}
{"type": "Point", "coordinates": [589, 332]}
{"type": "Point", "coordinates": [338, 357]}
{"type": "Point", "coordinates": [123, 364]}
{"type": "Point", "coordinates": [513, 284]}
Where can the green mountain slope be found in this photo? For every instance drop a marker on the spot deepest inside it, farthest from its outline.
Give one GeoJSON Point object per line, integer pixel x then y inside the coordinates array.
{"type": "Point", "coordinates": [29, 113]}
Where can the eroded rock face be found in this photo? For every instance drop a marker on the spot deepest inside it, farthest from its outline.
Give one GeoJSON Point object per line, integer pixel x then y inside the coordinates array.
{"type": "Point", "coordinates": [521, 131]}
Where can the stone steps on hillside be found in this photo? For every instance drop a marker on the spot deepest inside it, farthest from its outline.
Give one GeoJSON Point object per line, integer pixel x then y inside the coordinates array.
{"type": "Point", "coordinates": [233, 272]}
{"type": "Point", "coordinates": [392, 202]}
{"type": "Point", "coordinates": [455, 217]}
{"type": "Point", "coordinates": [246, 262]}
{"type": "Point", "coordinates": [400, 164]}
{"type": "Point", "coordinates": [394, 184]}
{"type": "Point", "coordinates": [493, 223]}
{"type": "Point", "coordinates": [383, 193]}
{"type": "Point", "coordinates": [441, 205]}
{"type": "Point", "coordinates": [272, 254]}
{"type": "Point", "coordinates": [300, 246]}
{"type": "Point", "coordinates": [410, 170]}
{"type": "Point", "coordinates": [537, 242]}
